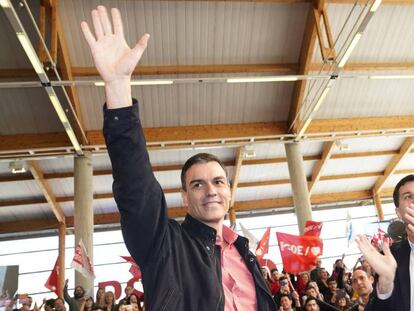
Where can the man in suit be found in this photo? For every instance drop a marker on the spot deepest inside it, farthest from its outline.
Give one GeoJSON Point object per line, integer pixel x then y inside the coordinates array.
{"type": "Point", "coordinates": [395, 268]}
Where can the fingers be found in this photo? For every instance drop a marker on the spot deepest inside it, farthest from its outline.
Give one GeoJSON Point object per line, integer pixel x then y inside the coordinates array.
{"type": "Point", "coordinates": [105, 22]}
{"type": "Point", "coordinates": [88, 34]}
{"type": "Point", "coordinates": [97, 25]}
{"type": "Point", "coordinates": [117, 20]}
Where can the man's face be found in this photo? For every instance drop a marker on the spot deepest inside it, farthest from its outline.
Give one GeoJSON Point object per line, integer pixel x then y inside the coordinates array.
{"type": "Point", "coordinates": [362, 283]}
{"type": "Point", "coordinates": [312, 306]}
{"type": "Point", "coordinates": [78, 292]}
{"type": "Point", "coordinates": [208, 193]}
{"type": "Point", "coordinates": [285, 303]}
{"type": "Point", "coordinates": [275, 275]}
{"type": "Point", "coordinates": [405, 210]}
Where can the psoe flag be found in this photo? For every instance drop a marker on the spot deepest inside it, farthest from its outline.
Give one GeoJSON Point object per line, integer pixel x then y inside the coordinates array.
{"type": "Point", "coordinates": [299, 252]}
{"type": "Point", "coordinates": [313, 228]}
{"type": "Point", "coordinates": [81, 261]}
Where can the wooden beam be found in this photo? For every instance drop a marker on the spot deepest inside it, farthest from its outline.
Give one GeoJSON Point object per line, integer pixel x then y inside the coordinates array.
{"type": "Point", "coordinates": [33, 141]}
{"type": "Point", "coordinates": [65, 67]}
{"type": "Point", "coordinates": [197, 69]}
{"type": "Point", "coordinates": [37, 173]}
{"type": "Point", "coordinates": [62, 249]}
{"type": "Point", "coordinates": [234, 183]}
{"type": "Point", "coordinates": [378, 206]}
{"type": "Point", "coordinates": [42, 28]}
{"type": "Point", "coordinates": [178, 212]}
{"type": "Point", "coordinates": [319, 166]}
{"type": "Point", "coordinates": [392, 165]}
{"type": "Point", "coordinates": [305, 62]}
{"type": "Point", "coordinates": [53, 31]}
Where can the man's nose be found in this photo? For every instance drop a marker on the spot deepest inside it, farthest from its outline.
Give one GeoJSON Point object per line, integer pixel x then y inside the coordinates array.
{"type": "Point", "coordinates": [211, 189]}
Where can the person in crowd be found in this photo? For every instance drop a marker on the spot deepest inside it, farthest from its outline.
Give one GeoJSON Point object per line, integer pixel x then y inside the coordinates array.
{"type": "Point", "coordinates": [110, 303]}
{"type": "Point", "coordinates": [329, 296]}
{"type": "Point", "coordinates": [128, 291]}
{"type": "Point", "coordinates": [284, 289]}
{"type": "Point", "coordinates": [323, 281]}
{"type": "Point", "coordinates": [134, 300]}
{"type": "Point", "coordinates": [302, 283]}
{"type": "Point", "coordinates": [48, 304]}
{"type": "Point", "coordinates": [288, 303]}
{"type": "Point", "coordinates": [362, 284]}
{"type": "Point", "coordinates": [86, 304]}
{"type": "Point", "coordinates": [342, 301]}
{"type": "Point", "coordinates": [311, 304]}
{"type": "Point", "coordinates": [199, 264]}
{"type": "Point", "coordinates": [60, 304]}
{"type": "Point", "coordinates": [100, 297]}
{"type": "Point", "coordinates": [395, 267]}
{"type": "Point", "coordinates": [274, 281]}
{"type": "Point", "coordinates": [266, 276]}
{"type": "Point", "coordinates": [314, 275]}
{"type": "Point", "coordinates": [75, 301]}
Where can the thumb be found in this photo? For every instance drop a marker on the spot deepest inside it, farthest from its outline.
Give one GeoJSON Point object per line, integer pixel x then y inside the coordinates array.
{"type": "Point", "coordinates": [141, 45]}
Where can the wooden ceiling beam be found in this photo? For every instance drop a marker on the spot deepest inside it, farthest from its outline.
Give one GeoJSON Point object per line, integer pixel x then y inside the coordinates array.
{"type": "Point", "coordinates": [185, 136]}
{"type": "Point", "coordinates": [305, 62]}
{"type": "Point", "coordinates": [274, 182]}
{"type": "Point", "coordinates": [37, 173]}
{"type": "Point", "coordinates": [177, 212]}
{"type": "Point", "coordinates": [319, 166]}
{"type": "Point", "coordinates": [234, 184]}
{"type": "Point", "coordinates": [405, 149]}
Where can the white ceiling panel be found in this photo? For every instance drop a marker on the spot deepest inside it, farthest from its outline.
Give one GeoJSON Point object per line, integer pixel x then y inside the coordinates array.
{"type": "Point", "coordinates": [356, 165]}
{"type": "Point", "coordinates": [344, 185]}
{"type": "Point", "coordinates": [266, 192]}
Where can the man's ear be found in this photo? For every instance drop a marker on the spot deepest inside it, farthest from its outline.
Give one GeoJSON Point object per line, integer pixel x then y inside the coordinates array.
{"type": "Point", "coordinates": [184, 196]}
{"type": "Point", "coordinates": [397, 211]}
{"type": "Point", "coordinates": [371, 279]}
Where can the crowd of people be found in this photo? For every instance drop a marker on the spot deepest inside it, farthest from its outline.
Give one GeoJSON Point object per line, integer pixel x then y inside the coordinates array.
{"type": "Point", "coordinates": [104, 301]}
{"type": "Point", "coordinates": [318, 290]}
{"type": "Point", "coordinates": [308, 291]}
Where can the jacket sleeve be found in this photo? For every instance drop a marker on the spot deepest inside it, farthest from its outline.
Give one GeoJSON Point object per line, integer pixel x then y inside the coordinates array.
{"type": "Point", "coordinates": [137, 193]}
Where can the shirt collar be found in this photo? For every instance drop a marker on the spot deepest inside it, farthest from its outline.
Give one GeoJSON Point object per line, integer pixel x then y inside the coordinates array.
{"type": "Point", "coordinates": [411, 245]}
{"type": "Point", "coordinates": [228, 235]}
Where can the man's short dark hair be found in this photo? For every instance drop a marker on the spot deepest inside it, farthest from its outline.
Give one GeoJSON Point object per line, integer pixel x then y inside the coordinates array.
{"type": "Point", "coordinates": [309, 299]}
{"type": "Point", "coordinates": [289, 296]}
{"type": "Point", "coordinates": [332, 279]}
{"type": "Point", "coordinates": [402, 182]}
{"type": "Point", "coordinates": [197, 159]}
{"type": "Point", "coordinates": [273, 270]}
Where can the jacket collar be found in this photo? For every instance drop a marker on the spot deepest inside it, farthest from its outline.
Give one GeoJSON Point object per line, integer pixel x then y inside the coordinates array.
{"type": "Point", "coordinates": [199, 230]}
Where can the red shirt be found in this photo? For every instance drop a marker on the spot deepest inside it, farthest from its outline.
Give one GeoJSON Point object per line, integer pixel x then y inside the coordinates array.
{"type": "Point", "coordinates": [238, 283]}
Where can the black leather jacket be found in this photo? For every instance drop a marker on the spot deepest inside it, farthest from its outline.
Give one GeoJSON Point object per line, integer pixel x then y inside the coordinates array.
{"type": "Point", "coordinates": [180, 263]}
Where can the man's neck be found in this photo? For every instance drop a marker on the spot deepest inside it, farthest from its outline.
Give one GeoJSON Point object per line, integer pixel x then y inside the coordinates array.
{"type": "Point", "coordinates": [365, 298]}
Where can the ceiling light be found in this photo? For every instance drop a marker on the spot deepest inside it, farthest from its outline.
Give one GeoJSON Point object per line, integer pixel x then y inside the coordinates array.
{"type": "Point", "coordinates": [349, 50]}
{"type": "Point", "coordinates": [390, 77]}
{"type": "Point", "coordinates": [342, 146]}
{"type": "Point", "coordinates": [5, 4]}
{"type": "Point", "coordinates": [58, 107]}
{"type": "Point", "coordinates": [30, 52]}
{"type": "Point", "coordinates": [249, 152]}
{"type": "Point", "coordinates": [142, 82]}
{"type": "Point", "coordinates": [321, 98]}
{"type": "Point", "coordinates": [304, 127]}
{"type": "Point", "coordinates": [73, 139]}
{"type": "Point", "coordinates": [375, 5]}
{"type": "Point", "coordinates": [17, 167]}
{"type": "Point", "coordinates": [262, 79]}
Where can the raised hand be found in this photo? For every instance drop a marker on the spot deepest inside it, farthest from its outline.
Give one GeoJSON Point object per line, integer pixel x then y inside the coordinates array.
{"type": "Point", "coordinates": [385, 265]}
{"type": "Point", "coordinates": [114, 59]}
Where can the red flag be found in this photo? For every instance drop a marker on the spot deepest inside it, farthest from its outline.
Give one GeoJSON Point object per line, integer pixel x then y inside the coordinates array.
{"type": "Point", "coordinates": [299, 253]}
{"type": "Point", "coordinates": [134, 270]}
{"type": "Point", "coordinates": [53, 279]}
{"type": "Point", "coordinates": [313, 228]}
{"type": "Point", "coordinates": [81, 261]}
{"type": "Point", "coordinates": [263, 246]}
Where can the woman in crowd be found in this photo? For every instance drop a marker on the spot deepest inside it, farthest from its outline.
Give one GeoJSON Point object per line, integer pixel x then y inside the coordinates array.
{"type": "Point", "coordinates": [109, 299]}
{"type": "Point", "coordinates": [135, 302]}
{"type": "Point", "coordinates": [100, 298]}
{"type": "Point", "coordinates": [86, 304]}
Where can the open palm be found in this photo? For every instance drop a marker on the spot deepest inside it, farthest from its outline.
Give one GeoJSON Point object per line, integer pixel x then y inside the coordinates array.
{"type": "Point", "coordinates": [113, 58]}
{"type": "Point", "coordinates": [385, 265]}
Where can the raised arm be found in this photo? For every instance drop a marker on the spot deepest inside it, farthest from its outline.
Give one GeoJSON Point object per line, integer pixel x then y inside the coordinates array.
{"type": "Point", "coordinates": [136, 191]}
{"type": "Point", "coordinates": [114, 59]}
{"type": "Point", "coordinates": [385, 265]}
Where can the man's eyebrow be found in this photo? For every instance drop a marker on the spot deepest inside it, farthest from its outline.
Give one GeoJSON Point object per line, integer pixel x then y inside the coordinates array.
{"type": "Point", "coordinates": [406, 193]}
{"type": "Point", "coordinates": [195, 181]}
